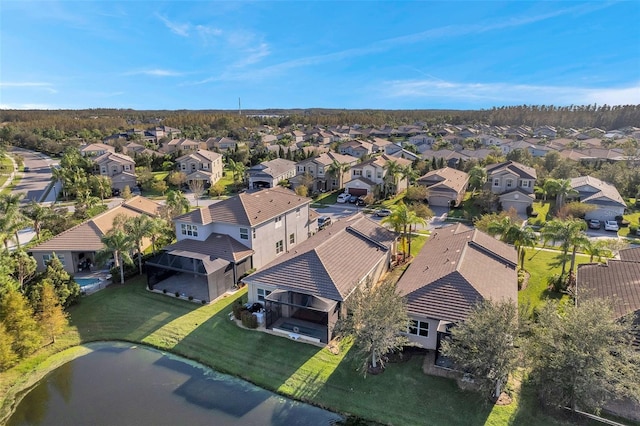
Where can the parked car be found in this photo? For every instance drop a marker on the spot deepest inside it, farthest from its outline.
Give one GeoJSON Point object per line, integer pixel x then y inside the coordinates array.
{"type": "Point", "coordinates": [383, 212]}
{"type": "Point", "coordinates": [26, 169]}
{"type": "Point", "coordinates": [344, 197]}
{"type": "Point", "coordinates": [323, 222]}
{"type": "Point", "coordinates": [360, 201]}
{"type": "Point", "coordinates": [594, 224]}
{"type": "Point", "coordinates": [611, 225]}
{"type": "Point", "coordinates": [353, 199]}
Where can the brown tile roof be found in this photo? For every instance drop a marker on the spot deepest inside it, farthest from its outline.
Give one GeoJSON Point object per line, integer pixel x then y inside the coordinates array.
{"type": "Point", "coordinates": [446, 177]}
{"type": "Point", "coordinates": [332, 262]}
{"type": "Point", "coordinates": [631, 254]}
{"type": "Point", "coordinates": [249, 208]}
{"type": "Point", "coordinates": [520, 170]}
{"type": "Point", "coordinates": [216, 246]}
{"type": "Point", "coordinates": [617, 280]}
{"type": "Point", "coordinates": [87, 235]}
{"type": "Point", "coordinates": [457, 267]}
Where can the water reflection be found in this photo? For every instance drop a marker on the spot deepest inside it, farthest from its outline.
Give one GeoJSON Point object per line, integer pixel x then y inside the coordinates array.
{"type": "Point", "coordinates": [125, 385]}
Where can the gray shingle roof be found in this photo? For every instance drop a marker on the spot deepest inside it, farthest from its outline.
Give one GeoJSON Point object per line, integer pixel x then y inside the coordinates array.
{"type": "Point", "coordinates": [520, 170]}
{"type": "Point", "coordinates": [332, 262]}
{"type": "Point", "coordinates": [457, 267]}
{"type": "Point", "coordinates": [216, 246]}
{"type": "Point", "coordinates": [249, 208]}
{"type": "Point", "coordinates": [603, 191]}
{"type": "Point", "coordinates": [273, 168]}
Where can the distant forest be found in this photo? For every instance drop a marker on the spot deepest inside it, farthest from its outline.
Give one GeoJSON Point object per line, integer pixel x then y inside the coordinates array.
{"type": "Point", "coordinates": [51, 126]}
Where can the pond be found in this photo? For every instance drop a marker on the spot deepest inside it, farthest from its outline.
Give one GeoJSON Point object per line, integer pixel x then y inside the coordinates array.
{"type": "Point", "coordinates": [123, 384]}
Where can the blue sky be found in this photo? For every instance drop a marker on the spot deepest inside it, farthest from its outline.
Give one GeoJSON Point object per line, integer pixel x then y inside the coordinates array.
{"type": "Point", "coordinates": [325, 54]}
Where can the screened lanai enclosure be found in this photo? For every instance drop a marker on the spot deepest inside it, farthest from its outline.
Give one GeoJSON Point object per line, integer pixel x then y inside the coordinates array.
{"type": "Point", "coordinates": [299, 314]}
{"type": "Point", "coordinates": [190, 274]}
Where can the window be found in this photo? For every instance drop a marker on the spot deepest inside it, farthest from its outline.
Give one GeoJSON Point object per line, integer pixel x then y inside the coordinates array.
{"type": "Point", "coordinates": [496, 181]}
{"type": "Point", "coordinates": [509, 183]}
{"type": "Point", "coordinates": [279, 247]}
{"type": "Point", "coordinates": [254, 233]}
{"type": "Point", "coordinates": [379, 175]}
{"type": "Point", "coordinates": [525, 183]}
{"type": "Point", "coordinates": [262, 293]}
{"type": "Point", "coordinates": [183, 166]}
{"type": "Point", "coordinates": [320, 172]}
{"type": "Point", "coordinates": [368, 174]}
{"type": "Point", "coordinates": [205, 166]}
{"type": "Point", "coordinates": [278, 221]}
{"type": "Point", "coordinates": [419, 328]}
{"type": "Point", "coordinates": [191, 230]}
{"type": "Point", "coordinates": [244, 234]}
{"type": "Point", "coordinates": [357, 172]}
{"type": "Point", "coordinates": [46, 258]}
{"type": "Point", "coordinates": [292, 238]}
{"type": "Point", "coordinates": [104, 169]}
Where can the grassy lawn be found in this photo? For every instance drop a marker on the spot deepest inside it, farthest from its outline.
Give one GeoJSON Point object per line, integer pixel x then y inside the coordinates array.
{"type": "Point", "coordinates": [542, 264]}
{"type": "Point", "coordinates": [402, 395]}
{"type": "Point", "coordinates": [467, 210]}
{"type": "Point", "coordinates": [544, 213]}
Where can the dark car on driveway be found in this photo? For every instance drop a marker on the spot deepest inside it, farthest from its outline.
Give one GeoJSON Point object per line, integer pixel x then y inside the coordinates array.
{"type": "Point", "coordinates": [360, 201]}
{"type": "Point", "coordinates": [323, 222]}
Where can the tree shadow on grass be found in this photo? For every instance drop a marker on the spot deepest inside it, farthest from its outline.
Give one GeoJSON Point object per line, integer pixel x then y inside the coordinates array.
{"type": "Point", "coordinates": [402, 394]}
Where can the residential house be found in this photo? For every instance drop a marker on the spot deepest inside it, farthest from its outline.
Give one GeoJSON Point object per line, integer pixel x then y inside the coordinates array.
{"type": "Point", "coordinates": [119, 167]}
{"type": "Point", "coordinates": [617, 281]}
{"type": "Point", "coordinates": [96, 149]}
{"type": "Point", "coordinates": [181, 146]}
{"type": "Point", "coordinates": [318, 167]}
{"type": "Point", "coordinates": [381, 145]}
{"type": "Point", "coordinates": [457, 268]}
{"type": "Point", "coordinates": [602, 195]}
{"type": "Point", "coordinates": [369, 176]}
{"type": "Point", "coordinates": [548, 132]}
{"type": "Point", "coordinates": [220, 243]}
{"type": "Point", "coordinates": [403, 153]}
{"type": "Point", "coordinates": [269, 173]}
{"type": "Point", "coordinates": [514, 183]}
{"type": "Point", "coordinates": [160, 132]}
{"type": "Point", "coordinates": [77, 247]}
{"type": "Point", "coordinates": [202, 165]}
{"type": "Point", "coordinates": [304, 290]}
{"type": "Point", "coordinates": [450, 158]}
{"type": "Point", "coordinates": [222, 144]}
{"type": "Point", "coordinates": [356, 148]}
{"type": "Point", "coordinates": [533, 149]}
{"type": "Point", "coordinates": [133, 149]}
{"type": "Point", "coordinates": [446, 186]}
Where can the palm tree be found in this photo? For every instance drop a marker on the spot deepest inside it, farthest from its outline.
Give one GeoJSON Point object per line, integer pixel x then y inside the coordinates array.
{"type": "Point", "coordinates": [402, 219]}
{"type": "Point", "coordinates": [158, 226]}
{"type": "Point", "coordinates": [177, 204]}
{"type": "Point", "coordinates": [11, 218]}
{"type": "Point", "coordinates": [568, 233]}
{"type": "Point", "coordinates": [477, 178]}
{"type": "Point", "coordinates": [501, 227]}
{"type": "Point", "coordinates": [101, 185]}
{"type": "Point", "coordinates": [409, 173]}
{"type": "Point", "coordinates": [337, 170]}
{"type": "Point", "coordinates": [597, 249]}
{"type": "Point", "coordinates": [391, 177]}
{"type": "Point", "coordinates": [38, 214]}
{"type": "Point", "coordinates": [117, 244]}
{"type": "Point", "coordinates": [522, 237]}
{"type": "Point", "coordinates": [138, 228]}
{"type": "Point", "coordinates": [562, 189]}
{"type": "Point", "coordinates": [238, 169]}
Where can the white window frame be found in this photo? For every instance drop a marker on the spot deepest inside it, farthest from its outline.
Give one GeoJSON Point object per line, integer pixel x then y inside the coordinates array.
{"type": "Point", "coordinates": [279, 247]}
{"type": "Point", "coordinates": [244, 233]}
{"type": "Point", "coordinates": [262, 294]}
{"type": "Point", "coordinates": [525, 183]}
{"type": "Point", "coordinates": [188, 229]}
{"type": "Point", "coordinates": [509, 183]}
{"type": "Point", "coordinates": [278, 221]}
{"type": "Point", "coordinates": [418, 328]}
{"type": "Point", "coordinates": [496, 181]}
{"type": "Point", "coordinates": [292, 238]}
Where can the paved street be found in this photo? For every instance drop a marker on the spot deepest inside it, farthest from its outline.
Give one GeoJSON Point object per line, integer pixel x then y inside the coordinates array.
{"type": "Point", "coordinates": [34, 182]}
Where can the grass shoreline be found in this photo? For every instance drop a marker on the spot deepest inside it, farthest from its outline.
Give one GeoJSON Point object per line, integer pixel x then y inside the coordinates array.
{"type": "Point", "coordinates": [298, 371]}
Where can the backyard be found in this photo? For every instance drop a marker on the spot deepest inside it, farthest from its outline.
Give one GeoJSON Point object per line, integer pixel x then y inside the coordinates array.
{"type": "Point", "coordinates": [313, 374]}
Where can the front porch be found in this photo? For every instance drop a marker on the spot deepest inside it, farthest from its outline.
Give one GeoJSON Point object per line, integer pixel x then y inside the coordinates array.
{"type": "Point", "coordinates": [301, 315]}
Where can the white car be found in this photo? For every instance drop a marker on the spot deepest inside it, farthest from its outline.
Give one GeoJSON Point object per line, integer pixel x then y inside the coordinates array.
{"type": "Point", "coordinates": [611, 225]}
{"type": "Point", "coordinates": [343, 198]}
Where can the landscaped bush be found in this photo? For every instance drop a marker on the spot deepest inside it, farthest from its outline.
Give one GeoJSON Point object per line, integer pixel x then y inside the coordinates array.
{"type": "Point", "coordinates": [177, 294]}
{"type": "Point", "coordinates": [557, 282]}
{"type": "Point", "coordinates": [248, 319]}
{"type": "Point", "coordinates": [164, 291]}
{"type": "Point", "coordinates": [633, 230]}
{"type": "Point", "coordinates": [521, 276]}
{"type": "Point", "coordinates": [190, 297]}
{"type": "Point", "coordinates": [237, 310]}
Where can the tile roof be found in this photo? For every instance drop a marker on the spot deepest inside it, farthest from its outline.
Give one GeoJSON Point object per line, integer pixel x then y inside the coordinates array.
{"type": "Point", "coordinates": [602, 190]}
{"type": "Point", "coordinates": [113, 156]}
{"type": "Point", "coordinates": [631, 254]}
{"type": "Point", "coordinates": [249, 208]}
{"type": "Point", "coordinates": [87, 235]}
{"type": "Point", "coordinates": [447, 178]}
{"type": "Point", "coordinates": [276, 167]}
{"type": "Point", "coordinates": [326, 264]}
{"type": "Point", "coordinates": [216, 246]}
{"type": "Point", "coordinates": [520, 170]}
{"type": "Point", "coordinates": [456, 268]}
{"type": "Point", "coordinates": [201, 155]}
{"type": "Point", "coordinates": [617, 280]}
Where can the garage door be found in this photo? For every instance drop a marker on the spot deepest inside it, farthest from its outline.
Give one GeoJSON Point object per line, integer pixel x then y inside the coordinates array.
{"type": "Point", "coordinates": [439, 201]}
{"type": "Point", "coordinates": [357, 191]}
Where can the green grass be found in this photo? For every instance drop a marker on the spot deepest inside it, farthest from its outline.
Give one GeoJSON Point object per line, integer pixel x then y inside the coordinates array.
{"type": "Point", "coordinates": [541, 264]}
{"type": "Point", "coordinates": [633, 218]}
{"type": "Point", "coordinates": [402, 395]}
{"type": "Point", "coordinates": [467, 210]}
{"type": "Point", "coordinates": [544, 212]}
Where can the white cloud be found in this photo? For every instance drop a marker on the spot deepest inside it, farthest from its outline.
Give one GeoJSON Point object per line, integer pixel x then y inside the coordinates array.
{"type": "Point", "coordinates": [26, 106]}
{"type": "Point", "coordinates": [508, 93]}
{"type": "Point", "coordinates": [176, 28]}
{"type": "Point", "coordinates": [30, 84]}
{"type": "Point", "coordinates": [156, 73]}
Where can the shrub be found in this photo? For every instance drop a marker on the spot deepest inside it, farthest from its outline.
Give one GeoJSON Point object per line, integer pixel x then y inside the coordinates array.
{"type": "Point", "coordinates": [521, 277]}
{"type": "Point", "coordinates": [164, 291]}
{"type": "Point", "coordinates": [237, 310]}
{"type": "Point", "coordinates": [633, 229]}
{"type": "Point", "coordinates": [190, 297]}
{"type": "Point", "coordinates": [204, 302]}
{"type": "Point", "coordinates": [249, 320]}
{"type": "Point", "coordinates": [557, 282]}
{"type": "Point", "coordinates": [177, 294]}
